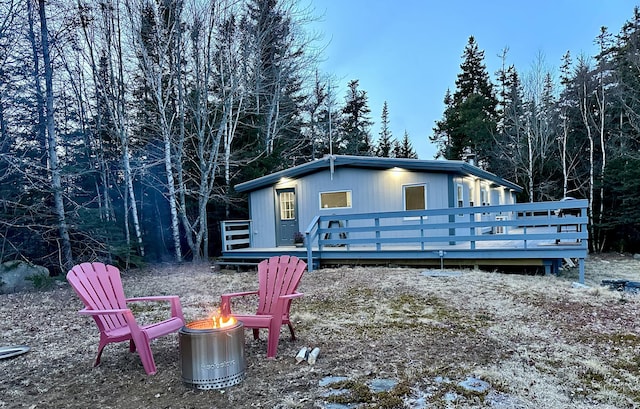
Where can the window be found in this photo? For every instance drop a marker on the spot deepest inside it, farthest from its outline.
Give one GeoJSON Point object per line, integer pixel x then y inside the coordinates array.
{"type": "Point", "coordinates": [415, 197]}
{"type": "Point", "coordinates": [287, 206]}
{"type": "Point", "coordinates": [460, 197]}
{"type": "Point", "coordinates": [333, 200]}
{"type": "Point", "coordinates": [484, 197]}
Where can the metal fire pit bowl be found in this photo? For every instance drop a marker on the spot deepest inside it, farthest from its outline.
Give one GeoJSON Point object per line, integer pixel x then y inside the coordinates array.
{"type": "Point", "coordinates": [212, 358]}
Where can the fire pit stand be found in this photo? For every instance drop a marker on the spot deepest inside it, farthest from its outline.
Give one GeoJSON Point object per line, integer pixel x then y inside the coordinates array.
{"type": "Point", "coordinates": [212, 358]}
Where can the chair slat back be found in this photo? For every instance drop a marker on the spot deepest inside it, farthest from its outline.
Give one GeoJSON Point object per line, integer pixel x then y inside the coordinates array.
{"type": "Point", "coordinates": [100, 288]}
{"type": "Point", "coordinates": [278, 275]}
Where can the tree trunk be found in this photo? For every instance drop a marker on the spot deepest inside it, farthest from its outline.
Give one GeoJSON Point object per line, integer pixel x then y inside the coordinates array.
{"type": "Point", "coordinates": [41, 126]}
{"type": "Point", "coordinates": [585, 120]}
{"type": "Point", "coordinates": [120, 120]}
{"type": "Point", "coordinates": [530, 162]}
{"type": "Point", "coordinates": [54, 166]}
{"type": "Point", "coordinates": [603, 149]}
{"type": "Point", "coordinates": [563, 151]}
{"type": "Point", "coordinates": [114, 96]}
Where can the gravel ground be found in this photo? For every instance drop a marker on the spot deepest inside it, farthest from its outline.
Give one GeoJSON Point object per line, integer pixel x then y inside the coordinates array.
{"type": "Point", "coordinates": [529, 341]}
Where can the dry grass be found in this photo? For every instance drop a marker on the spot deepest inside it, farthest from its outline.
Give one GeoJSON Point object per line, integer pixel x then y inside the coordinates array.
{"type": "Point", "coordinates": [538, 341]}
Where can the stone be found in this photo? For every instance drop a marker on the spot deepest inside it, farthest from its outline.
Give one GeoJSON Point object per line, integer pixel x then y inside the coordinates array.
{"type": "Point", "coordinates": [14, 274]}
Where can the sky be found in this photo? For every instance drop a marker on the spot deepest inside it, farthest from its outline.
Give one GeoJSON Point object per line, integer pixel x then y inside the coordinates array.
{"type": "Point", "coordinates": [408, 52]}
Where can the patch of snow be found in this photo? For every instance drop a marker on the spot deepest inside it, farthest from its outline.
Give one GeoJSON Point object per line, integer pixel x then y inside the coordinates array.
{"type": "Point", "coordinates": [475, 384]}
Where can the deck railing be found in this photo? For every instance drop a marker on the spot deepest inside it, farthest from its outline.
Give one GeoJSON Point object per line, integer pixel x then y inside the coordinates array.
{"type": "Point", "coordinates": [468, 227]}
{"type": "Point", "coordinates": [549, 231]}
{"type": "Point", "coordinates": [236, 234]}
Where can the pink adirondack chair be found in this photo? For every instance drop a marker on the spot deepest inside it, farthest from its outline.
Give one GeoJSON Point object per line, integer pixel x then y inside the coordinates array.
{"type": "Point", "coordinates": [278, 278]}
{"type": "Point", "coordinates": [100, 289]}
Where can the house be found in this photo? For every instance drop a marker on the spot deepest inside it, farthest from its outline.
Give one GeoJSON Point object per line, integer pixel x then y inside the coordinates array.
{"type": "Point", "coordinates": [285, 202]}
{"type": "Point", "coordinates": [356, 210]}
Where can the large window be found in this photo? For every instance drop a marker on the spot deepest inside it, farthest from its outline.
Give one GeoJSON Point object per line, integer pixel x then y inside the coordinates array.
{"type": "Point", "coordinates": [333, 200]}
{"type": "Point", "coordinates": [415, 197]}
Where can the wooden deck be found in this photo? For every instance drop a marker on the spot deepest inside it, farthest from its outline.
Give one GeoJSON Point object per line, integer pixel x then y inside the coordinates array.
{"type": "Point", "coordinates": [526, 234]}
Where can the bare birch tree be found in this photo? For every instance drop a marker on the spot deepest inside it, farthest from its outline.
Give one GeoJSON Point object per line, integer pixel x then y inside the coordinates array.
{"type": "Point", "coordinates": [585, 91]}
{"type": "Point", "coordinates": [66, 257]}
{"type": "Point", "coordinates": [154, 53]}
{"type": "Point", "coordinates": [603, 41]}
{"type": "Point", "coordinates": [279, 64]}
{"type": "Point", "coordinates": [106, 34]}
{"type": "Point", "coordinates": [539, 129]}
{"type": "Point", "coordinates": [212, 75]}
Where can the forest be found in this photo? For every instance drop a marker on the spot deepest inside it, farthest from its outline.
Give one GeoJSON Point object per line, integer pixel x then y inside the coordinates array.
{"type": "Point", "coordinates": [125, 124]}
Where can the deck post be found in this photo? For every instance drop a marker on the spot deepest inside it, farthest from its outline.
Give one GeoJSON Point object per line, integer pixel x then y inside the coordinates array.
{"type": "Point", "coordinates": [472, 230]}
{"type": "Point", "coordinates": [309, 252]}
{"type": "Point", "coordinates": [581, 270]}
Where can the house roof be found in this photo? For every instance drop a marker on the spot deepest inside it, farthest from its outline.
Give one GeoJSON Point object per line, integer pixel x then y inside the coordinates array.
{"type": "Point", "coordinates": [368, 162]}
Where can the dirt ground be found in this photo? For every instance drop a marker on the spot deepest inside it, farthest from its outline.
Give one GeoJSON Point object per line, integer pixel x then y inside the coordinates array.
{"type": "Point", "coordinates": [537, 342]}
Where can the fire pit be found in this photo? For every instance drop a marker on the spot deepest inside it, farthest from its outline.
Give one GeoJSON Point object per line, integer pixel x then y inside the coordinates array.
{"type": "Point", "coordinates": [212, 353]}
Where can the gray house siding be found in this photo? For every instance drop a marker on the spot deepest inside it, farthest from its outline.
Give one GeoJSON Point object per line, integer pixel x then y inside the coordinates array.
{"type": "Point", "coordinates": [371, 191]}
{"type": "Point", "coordinates": [375, 185]}
{"type": "Point", "coordinates": [262, 211]}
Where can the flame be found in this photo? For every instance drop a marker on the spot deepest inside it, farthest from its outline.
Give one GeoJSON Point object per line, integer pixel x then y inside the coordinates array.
{"type": "Point", "coordinates": [221, 321]}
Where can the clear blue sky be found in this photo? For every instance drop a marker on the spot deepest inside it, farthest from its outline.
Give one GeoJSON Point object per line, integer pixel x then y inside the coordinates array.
{"type": "Point", "coordinates": [408, 52]}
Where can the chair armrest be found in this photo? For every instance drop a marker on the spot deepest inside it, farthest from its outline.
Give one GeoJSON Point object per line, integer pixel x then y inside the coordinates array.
{"type": "Point", "coordinates": [225, 301]}
{"type": "Point", "coordinates": [86, 311]}
{"type": "Point", "coordinates": [176, 307]}
{"type": "Point", "coordinates": [128, 316]}
{"type": "Point", "coordinates": [153, 298]}
{"type": "Point", "coordinates": [240, 294]}
{"type": "Point", "coordinates": [292, 296]}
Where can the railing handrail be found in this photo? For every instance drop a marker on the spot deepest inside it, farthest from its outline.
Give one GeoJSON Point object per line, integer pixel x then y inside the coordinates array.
{"type": "Point", "coordinates": [460, 224]}
{"type": "Point", "coordinates": [231, 238]}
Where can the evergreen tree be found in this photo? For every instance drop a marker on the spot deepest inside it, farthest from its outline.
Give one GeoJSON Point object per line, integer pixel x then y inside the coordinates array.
{"type": "Point", "coordinates": [404, 148]}
{"type": "Point", "coordinates": [470, 120]}
{"type": "Point", "coordinates": [354, 137]}
{"type": "Point", "coordinates": [386, 141]}
{"type": "Point", "coordinates": [276, 60]}
{"type": "Point", "coordinates": [508, 157]}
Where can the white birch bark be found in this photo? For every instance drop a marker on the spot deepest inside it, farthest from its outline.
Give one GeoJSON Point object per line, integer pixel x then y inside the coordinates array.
{"type": "Point", "coordinates": [109, 39]}
{"type": "Point", "coordinates": [161, 92]}
{"type": "Point", "coordinates": [584, 114]}
{"type": "Point", "coordinates": [66, 257]}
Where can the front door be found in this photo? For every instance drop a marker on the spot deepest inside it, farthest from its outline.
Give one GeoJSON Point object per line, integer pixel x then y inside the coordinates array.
{"type": "Point", "coordinates": [287, 215]}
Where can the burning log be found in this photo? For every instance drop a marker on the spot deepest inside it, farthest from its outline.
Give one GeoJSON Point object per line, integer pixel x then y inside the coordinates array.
{"type": "Point", "coordinates": [222, 320]}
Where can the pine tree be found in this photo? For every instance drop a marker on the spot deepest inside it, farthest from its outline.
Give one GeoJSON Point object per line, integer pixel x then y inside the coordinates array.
{"type": "Point", "coordinates": [386, 141]}
{"type": "Point", "coordinates": [470, 120]}
{"type": "Point", "coordinates": [404, 149]}
{"type": "Point", "coordinates": [354, 138]}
